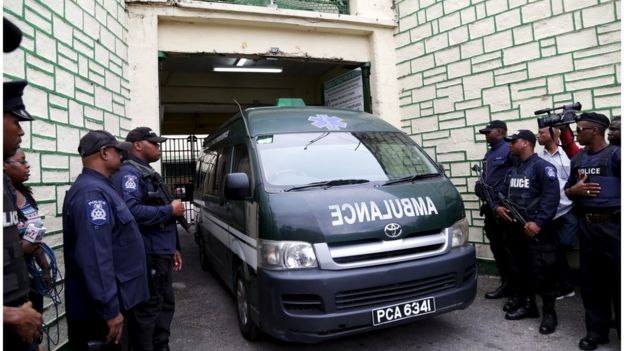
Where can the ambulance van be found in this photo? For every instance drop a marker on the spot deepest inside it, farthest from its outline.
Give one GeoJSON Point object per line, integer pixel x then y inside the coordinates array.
{"type": "Point", "coordinates": [328, 222]}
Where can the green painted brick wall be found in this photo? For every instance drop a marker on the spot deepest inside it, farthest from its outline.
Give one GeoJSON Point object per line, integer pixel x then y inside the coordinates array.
{"type": "Point", "coordinates": [462, 63]}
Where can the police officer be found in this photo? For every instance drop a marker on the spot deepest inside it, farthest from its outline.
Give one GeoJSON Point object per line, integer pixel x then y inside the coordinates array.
{"type": "Point", "coordinates": [496, 163]}
{"type": "Point", "coordinates": [22, 323]}
{"type": "Point", "coordinates": [532, 188]}
{"type": "Point", "coordinates": [105, 270]}
{"type": "Point", "coordinates": [594, 186]}
{"type": "Point", "coordinates": [614, 131]}
{"type": "Point", "coordinates": [137, 182]}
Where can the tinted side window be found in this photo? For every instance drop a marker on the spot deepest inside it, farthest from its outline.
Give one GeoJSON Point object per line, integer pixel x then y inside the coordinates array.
{"type": "Point", "coordinates": [208, 166]}
{"type": "Point", "coordinates": [221, 169]}
{"type": "Point", "coordinates": [241, 160]}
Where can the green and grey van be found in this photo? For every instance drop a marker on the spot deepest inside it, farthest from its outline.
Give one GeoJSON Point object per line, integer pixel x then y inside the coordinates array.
{"type": "Point", "coordinates": [327, 222]}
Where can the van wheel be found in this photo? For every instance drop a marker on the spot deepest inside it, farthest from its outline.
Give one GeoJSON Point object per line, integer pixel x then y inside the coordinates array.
{"type": "Point", "coordinates": [245, 324]}
{"type": "Point", "coordinates": [203, 258]}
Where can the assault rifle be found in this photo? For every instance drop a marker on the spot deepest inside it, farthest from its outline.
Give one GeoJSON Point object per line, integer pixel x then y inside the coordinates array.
{"type": "Point", "coordinates": [161, 194]}
{"type": "Point", "coordinates": [510, 205]}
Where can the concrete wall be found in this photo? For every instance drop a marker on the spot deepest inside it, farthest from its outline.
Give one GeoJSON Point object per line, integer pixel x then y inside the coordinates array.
{"type": "Point", "coordinates": [463, 63]}
{"type": "Point", "coordinates": [249, 30]}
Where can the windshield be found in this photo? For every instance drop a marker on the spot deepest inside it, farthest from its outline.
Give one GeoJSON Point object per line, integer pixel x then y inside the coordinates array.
{"type": "Point", "coordinates": [304, 158]}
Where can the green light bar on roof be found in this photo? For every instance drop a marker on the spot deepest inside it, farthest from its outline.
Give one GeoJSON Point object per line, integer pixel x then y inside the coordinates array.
{"type": "Point", "coordinates": [284, 102]}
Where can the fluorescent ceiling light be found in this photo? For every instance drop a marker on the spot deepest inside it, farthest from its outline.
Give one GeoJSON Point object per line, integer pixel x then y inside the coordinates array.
{"type": "Point", "coordinates": [241, 62]}
{"type": "Point", "coordinates": [249, 69]}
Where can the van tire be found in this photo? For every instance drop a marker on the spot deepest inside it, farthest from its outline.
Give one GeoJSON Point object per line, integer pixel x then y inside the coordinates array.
{"type": "Point", "coordinates": [241, 293]}
{"type": "Point", "coordinates": [203, 257]}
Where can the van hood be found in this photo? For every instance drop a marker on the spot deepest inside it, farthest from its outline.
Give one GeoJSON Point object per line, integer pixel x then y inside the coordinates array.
{"type": "Point", "coordinates": [364, 212]}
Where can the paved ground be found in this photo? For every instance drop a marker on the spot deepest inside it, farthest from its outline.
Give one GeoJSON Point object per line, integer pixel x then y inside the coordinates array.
{"type": "Point", "coordinates": [205, 320]}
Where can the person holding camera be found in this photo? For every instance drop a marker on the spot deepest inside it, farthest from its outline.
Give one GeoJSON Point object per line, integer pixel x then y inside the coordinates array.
{"type": "Point", "coordinates": [496, 162]}
{"type": "Point", "coordinates": [565, 222]}
{"type": "Point", "coordinates": [594, 187]}
{"type": "Point", "coordinates": [532, 198]}
{"type": "Point", "coordinates": [139, 185]}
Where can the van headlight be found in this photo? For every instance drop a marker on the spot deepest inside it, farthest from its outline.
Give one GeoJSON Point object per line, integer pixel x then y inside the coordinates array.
{"type": "Point", "coordinates": [286, 255]}
{"type": "Point", "coordinates": [459, 233]}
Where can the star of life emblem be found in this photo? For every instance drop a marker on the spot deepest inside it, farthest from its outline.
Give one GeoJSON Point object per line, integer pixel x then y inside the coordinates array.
{"type": "Point", "coordinates": [130, 183]}
{"type": "Point", "coordinates": [97, 211]}
{"type": "Point", "coordinates": [326, 121]}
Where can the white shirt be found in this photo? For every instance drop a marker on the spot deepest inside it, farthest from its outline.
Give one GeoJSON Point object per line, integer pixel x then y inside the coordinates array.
{"type": "Point", "coordinates": [562, 163]}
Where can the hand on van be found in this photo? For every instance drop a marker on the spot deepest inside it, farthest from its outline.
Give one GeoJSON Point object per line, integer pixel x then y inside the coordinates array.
{"type": "Point", "coordinates": [178, 208]}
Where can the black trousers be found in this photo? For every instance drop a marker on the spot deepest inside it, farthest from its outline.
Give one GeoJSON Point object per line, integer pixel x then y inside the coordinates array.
{"type": "Point", "coordinates": [150, 321]}
{"type": "Point", "coordinates": [495, 231]}
{"type": "Point", "coordinates": [533, 261]}
{"type": "Point", "coordinates": [600, 274]}
{"type": "Point", "coordinates": [94, 332]}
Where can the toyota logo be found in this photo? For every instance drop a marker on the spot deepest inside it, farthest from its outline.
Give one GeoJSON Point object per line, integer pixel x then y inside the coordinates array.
{"type": "Point", "coordinates": [393, 230]}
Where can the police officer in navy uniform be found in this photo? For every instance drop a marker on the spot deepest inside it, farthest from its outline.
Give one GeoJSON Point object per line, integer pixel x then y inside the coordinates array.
{"type": "Point", "coordinates": [22, 323]}
{"type": "Point", "coordinates": [594, 186]}
{"type": "Point", "coordinates": [105, 270]}
{"type": "Point", "coordinates": [532, 188]}
{"type": "Point", "coordinates": [150, 326]}
{"type": "Point", "coordinates": [496, 164]}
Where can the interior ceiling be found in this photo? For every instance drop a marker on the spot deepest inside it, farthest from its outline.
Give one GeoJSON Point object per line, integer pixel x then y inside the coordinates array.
{"type": "Point", "coordinates": [203, 117]}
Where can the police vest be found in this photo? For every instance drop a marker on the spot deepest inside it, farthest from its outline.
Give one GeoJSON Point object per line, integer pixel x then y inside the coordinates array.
{"type": "Point", "coordinates": [599, 169]}
{"type": "Point", "coordinates": [524, 187]}
{"type": "Point", "coordinates": [15, 274]}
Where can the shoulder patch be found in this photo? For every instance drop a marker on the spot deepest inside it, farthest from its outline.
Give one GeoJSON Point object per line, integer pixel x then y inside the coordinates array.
{"type": "Point", "coordinates": [130, 183]}
{"type": "Point", "coordinates": [98, 212]}
{"type": "Point", "coordinates": [551, 172]}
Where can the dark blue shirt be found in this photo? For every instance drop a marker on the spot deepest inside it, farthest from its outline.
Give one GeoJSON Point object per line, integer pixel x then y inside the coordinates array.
{"type": "Point", "coordinates": [105, 264]}
{"type": "Point", "coordinates": [156, 222]}
{"type": "Point", "coordinates": [533, 186]}
{"type": "Point", "coordinates": [496, 163]}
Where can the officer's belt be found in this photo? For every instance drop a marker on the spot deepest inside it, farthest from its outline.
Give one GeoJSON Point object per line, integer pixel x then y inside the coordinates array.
{"type": "Point", "coordinates": [602, 217]}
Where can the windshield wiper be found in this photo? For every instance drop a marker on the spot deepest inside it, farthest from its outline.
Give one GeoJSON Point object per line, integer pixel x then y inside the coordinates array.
{"type": "Point", "coordinates": [329, 183]}
{"type": "Point", "coordinates": [412, 178]}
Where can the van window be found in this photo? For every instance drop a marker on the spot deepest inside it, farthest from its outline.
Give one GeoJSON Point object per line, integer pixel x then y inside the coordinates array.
{"type": "Point", "coordinates": [208, 166]}
{"type": "Point", "coordinates": [241, 160]}
{"type": "Point", "coordinates": [302, 158]}
{"type": "Point", "coordinates": [221, 169]}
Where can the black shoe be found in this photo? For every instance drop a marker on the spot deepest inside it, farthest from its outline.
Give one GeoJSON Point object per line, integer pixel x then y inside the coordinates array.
{"type": "Point", "coordinates": [591, 343]}
{"type": "Point", "coordinates": [502, 291]}
{"type": "Point", "coordinates": [526, 310]}
{"type": "Point", "coordinates": [512, 304]}
{"type": "Point", "coordinates": [549, 323]}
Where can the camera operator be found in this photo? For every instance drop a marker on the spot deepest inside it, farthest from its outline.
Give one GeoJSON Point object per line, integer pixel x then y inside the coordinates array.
{"type": "Point", "coordinates": [565, 222]}
{"type": "Point", "coordinates": [594, 186]}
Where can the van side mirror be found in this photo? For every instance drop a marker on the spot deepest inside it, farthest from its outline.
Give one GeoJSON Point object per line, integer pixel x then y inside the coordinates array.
{"type": "Point", "coordinates": [236, 186]}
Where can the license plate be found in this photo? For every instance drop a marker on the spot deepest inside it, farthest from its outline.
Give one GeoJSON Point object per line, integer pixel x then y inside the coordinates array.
{"type": "Point", "coordinates": [403, 311]}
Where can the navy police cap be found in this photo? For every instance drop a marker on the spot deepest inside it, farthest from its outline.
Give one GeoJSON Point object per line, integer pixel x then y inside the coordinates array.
{"type": "Point", "coordinates": [594, 118]}
{"type": "Point", "coordinates": [522, 134]}
{"type": "Point", "coordinates": [12, 99]}
{"type": "Point", "coordinates": [144, 133]}
{"type": "Point", "coordinates": [11, 36]}
{"type": "Point", "coordinates": [95, 140]}
{"type": "Point", "coordinates": [492, 125]}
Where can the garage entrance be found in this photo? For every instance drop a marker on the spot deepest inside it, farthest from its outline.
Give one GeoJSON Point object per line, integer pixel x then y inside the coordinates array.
{"type": "Point", "coordinates": [198, 93]}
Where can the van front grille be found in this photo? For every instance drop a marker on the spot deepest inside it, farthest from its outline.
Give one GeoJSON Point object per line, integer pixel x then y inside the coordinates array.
{"type": "Point", "coordinates": [388, 294]}
{"type": "Point", "coordinates": [390, 254]}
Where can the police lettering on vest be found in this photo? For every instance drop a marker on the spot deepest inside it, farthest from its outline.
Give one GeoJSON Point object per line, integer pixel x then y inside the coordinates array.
{"type": "Point", "coordinates": [520, 183]}
{"type": "Point", "coordinates": [592, 170]}
{"type": "Point", "coordinates": [350, 213]}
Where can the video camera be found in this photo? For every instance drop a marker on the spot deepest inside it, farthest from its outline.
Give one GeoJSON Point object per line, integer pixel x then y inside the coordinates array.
{"type": "Point", "coordinates": [565, 117]}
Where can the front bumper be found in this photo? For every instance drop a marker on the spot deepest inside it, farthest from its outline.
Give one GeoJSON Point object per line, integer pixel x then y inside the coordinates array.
{"type": "Point", "coordinates": [316, 305]}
